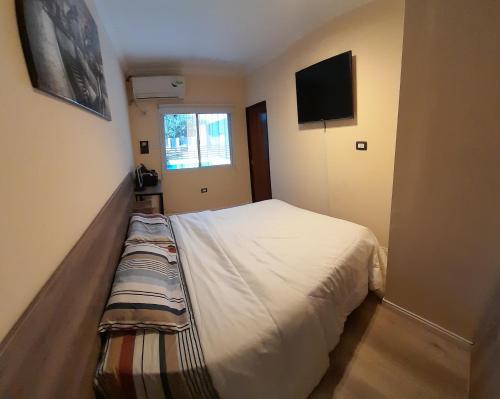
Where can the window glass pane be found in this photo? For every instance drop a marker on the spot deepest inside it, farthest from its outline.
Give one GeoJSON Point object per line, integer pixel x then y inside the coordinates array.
{"type": "Point", "coordinates": [215, 148]}
{"type": "Point", "coordinates": [181, 142]}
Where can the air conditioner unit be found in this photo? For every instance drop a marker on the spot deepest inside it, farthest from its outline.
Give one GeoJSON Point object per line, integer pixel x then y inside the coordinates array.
{"type": "Point", "coordinates": [145, 87]}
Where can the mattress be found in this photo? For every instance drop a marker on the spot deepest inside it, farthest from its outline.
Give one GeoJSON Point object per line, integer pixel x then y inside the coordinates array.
{"type": "Point", "coordinates": [270, 287]}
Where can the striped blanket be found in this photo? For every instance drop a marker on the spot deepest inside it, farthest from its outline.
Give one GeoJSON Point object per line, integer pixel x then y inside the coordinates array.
{"type": "Point", "coordinates": [150, 364]}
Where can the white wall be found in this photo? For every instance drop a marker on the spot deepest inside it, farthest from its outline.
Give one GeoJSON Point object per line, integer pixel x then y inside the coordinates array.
{"type": "Point", "coordinates": [322, 171]}
{"type": "Point", "coordinates": [59, 164]}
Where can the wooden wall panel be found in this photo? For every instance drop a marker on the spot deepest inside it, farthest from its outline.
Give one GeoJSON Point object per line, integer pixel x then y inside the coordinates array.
{"type": "Point", "coordinates": [485, 370]}
{"type": "Point", "coordinates": [53, 349]}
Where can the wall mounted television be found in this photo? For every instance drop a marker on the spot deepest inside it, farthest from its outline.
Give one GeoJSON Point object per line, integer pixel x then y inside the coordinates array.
{"type": "Point", "coordinates": [325, 90]}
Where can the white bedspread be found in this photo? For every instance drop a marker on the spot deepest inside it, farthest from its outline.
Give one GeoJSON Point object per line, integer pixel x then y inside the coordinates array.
{"type": "Point", "coordinates": [271, 286]}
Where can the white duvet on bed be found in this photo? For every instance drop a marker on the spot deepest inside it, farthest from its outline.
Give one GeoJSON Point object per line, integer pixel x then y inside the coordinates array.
{"type": "Point", "coordinates": [271, 286]}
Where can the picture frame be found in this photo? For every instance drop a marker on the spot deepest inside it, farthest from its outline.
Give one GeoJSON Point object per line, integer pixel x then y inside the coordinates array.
{"type": "Point", "coordinates": [60, 41]}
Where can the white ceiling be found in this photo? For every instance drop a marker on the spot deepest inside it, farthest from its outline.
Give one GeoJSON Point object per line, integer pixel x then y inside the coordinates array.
{"type": "Point", "coordinates": [236, 33]}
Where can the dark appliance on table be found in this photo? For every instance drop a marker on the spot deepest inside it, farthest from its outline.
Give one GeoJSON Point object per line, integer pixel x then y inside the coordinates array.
{"type": "Point", "coordinates": [145, 177]}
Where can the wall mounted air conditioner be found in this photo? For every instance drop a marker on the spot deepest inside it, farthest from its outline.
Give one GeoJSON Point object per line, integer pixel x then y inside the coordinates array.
{"type": "Point", "coordinates": [145, 87]}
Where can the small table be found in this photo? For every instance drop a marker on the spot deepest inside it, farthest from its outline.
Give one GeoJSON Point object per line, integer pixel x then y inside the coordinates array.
{"type": "Point", "coordinates": [149, 191]}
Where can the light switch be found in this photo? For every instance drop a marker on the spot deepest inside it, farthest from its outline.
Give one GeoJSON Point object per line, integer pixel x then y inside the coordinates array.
{"type": "Point", "coordinates": [144, 146]}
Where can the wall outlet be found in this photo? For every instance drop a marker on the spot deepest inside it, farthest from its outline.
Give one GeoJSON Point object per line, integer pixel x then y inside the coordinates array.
{"type": "Point", "coordinates": [204, 190]}
{"type": "Point", "coordinates": [361, 145]}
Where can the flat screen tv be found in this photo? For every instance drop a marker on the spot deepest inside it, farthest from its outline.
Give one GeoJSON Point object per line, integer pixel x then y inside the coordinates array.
{"type": "Point", "coordinates": [324, 90]}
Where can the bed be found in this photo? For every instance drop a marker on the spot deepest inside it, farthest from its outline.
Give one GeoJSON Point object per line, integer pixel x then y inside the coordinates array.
{"type": "Point", "coordinates": [270, 287]}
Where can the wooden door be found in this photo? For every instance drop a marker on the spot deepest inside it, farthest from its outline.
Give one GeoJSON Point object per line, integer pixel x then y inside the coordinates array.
{"type": "Point", "coordinates": [258, 152]}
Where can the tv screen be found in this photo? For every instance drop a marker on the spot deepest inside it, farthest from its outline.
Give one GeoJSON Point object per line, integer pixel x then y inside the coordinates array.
{"type": "Point", "coordinates": [324, 90]}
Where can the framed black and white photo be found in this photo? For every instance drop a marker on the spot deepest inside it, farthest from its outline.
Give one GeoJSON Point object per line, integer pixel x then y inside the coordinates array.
{"type": "Point", "coordinates": [61, 46]}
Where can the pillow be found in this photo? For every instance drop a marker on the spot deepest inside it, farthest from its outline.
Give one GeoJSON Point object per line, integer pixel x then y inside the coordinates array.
{"type": "Point", "coordinates": [146, 292]}
{"type": "Point", "coordinates": [153, 229]}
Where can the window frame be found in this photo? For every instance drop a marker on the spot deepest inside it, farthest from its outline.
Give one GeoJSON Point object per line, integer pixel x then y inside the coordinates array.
{"type": "Point", "coordinates": [195, 109]}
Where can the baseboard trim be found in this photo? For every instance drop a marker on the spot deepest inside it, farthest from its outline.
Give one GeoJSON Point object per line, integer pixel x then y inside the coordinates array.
{"type": "Point", "coordinates": [463, 342]}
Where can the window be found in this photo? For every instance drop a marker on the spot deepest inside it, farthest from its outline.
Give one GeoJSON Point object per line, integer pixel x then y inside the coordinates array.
{"type": "Point", "coordinates": [194, 140]}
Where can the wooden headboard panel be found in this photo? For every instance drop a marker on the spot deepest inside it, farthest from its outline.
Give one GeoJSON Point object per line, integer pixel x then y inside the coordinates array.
{"type": "Point", "coordinates": [53, 349]}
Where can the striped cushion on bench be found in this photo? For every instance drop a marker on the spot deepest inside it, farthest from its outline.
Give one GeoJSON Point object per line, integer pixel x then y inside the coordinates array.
{"type": "Point", "coordinates": [153, 229]}
{"type": "Point", "coordinates": [147, 292]}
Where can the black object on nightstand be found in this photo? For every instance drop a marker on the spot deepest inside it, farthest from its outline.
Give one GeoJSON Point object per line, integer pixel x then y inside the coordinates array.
{"type": "Point", "coordinates": [149, 191]}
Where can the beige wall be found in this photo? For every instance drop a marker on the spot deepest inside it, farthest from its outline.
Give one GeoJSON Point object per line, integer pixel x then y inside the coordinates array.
{"type": "Point", "coordinates": [228, 185]}
{"type": "Point", "coordinates": [322, 171]}
{"type": "Point", "coordinates": [58, 166]}
{"type": "Point", "coordinates": [444, 258]}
